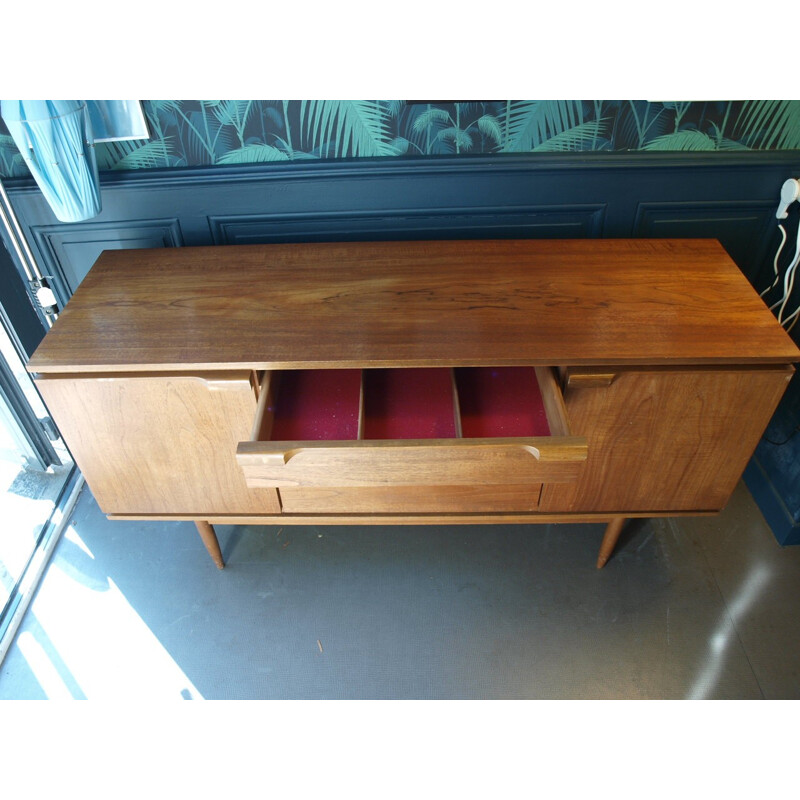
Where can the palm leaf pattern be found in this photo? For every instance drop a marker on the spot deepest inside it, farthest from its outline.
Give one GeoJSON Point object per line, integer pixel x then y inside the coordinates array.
{"type": "Point", "coordinates": [722, 142]}
{"type": "Point", "coordinates": [152, 154]}
{"type": "Point", "coordinates": [233, 112]}
{"type": "Point", "coordinates": [682, 140]}
{"type": "Point", "coordinates": [581, 137]}
{"type": "Point", "coordinates": [461, 139]}
{"type": "Point", "coordinates": [11, 161]}
{"type": "Point", "coordinates": [771, 124]}
{"type": "Point", "coordinates": [531, 123]}
{"type": "Point", "coordinates": [429, 118]}
{"type": "Point", "coordinates": [253, 154]}
{"type": "Point", "coordinates": [132, 154]}
{"type": "Point", "coordinates": [341, 128]}
{"type": "Point", "coordinates": [491, 129]}
{"type": "Point", "coordinates": [207, 132]}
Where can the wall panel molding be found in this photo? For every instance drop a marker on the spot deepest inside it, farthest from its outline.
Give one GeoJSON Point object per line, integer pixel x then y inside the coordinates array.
{"type": "Point", "coordinates": [730, 196]}
{"type": "Point", "coordinates": [743, 227]}
{"type": "Point", "coordinates": [522, 221]}
{"type": "Point", "coordinates": [440, 166]}
{"type": "Point", "coordinates": [72, 249]}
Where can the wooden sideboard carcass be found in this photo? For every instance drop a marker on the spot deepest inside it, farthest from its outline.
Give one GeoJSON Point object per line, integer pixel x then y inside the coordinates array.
{"type": "Point", "coordinates": [414, 382]}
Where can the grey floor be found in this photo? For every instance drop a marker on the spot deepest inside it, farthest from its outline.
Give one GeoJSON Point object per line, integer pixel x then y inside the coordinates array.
{"type": "Point", "coordinates": [687, 608]}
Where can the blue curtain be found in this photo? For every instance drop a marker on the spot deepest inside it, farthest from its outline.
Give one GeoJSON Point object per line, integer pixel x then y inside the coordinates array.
{"type": "Point", "coordinates": [55, 139]}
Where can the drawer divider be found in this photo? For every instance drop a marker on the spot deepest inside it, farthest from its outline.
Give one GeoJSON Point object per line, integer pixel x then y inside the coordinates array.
{"type": "Point", "coordinates": [360, 431]}
{"type": "Point", "coordinates": [456, 405]}
{"type": "Point", "coordinates": [554, 407]}
{"type": "Point", "coordinates": [265, 410]}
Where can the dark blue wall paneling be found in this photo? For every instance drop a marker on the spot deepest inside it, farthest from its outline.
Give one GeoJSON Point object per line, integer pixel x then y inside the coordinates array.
{"type": "Point", "coordinates": [732, 197]}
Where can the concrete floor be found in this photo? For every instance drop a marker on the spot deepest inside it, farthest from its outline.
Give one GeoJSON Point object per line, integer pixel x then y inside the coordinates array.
{"type": "Point", "coordinates": [687, 608]}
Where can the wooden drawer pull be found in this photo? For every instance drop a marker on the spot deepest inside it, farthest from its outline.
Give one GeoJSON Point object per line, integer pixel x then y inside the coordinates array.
{"type": "Point", "coordinates": [446, 462]}
{"type": "Point", "coordinates": [589, 380]}
{"type": "Point", "coordinates": [278, 457]}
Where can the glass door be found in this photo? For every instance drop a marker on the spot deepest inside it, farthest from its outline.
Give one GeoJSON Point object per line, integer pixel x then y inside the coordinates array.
{"type": "Point", "coordinates": [34, 468]}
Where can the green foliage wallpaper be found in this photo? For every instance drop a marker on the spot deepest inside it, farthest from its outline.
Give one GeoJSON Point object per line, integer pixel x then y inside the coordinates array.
{"type": "Point", "coordinates": [188, 133]}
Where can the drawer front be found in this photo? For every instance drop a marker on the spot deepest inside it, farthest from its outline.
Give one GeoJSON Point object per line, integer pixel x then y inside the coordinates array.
{"type": "Point", "coordinates": [412, 462]}
{"type": "Point", "coordinates": [410, 499]}
{"type": "Point", "coordinates": [411, 427]}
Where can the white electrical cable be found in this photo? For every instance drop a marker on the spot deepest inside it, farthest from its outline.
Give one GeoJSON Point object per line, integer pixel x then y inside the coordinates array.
{"type": "Point", "coordinates": [790, 192]}
{"type": "Point", "coordinates": [788, 285]}
{"type": "Point", "coordinates": [775, 262]}
{"type": "Point", "coordinates": [794, 314]}
{"type": "Point", "coordinates": [788, 281]}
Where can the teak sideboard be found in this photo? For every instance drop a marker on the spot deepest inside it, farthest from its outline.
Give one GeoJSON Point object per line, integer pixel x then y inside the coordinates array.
{"type": "Point", "coordinates": [414, 382]}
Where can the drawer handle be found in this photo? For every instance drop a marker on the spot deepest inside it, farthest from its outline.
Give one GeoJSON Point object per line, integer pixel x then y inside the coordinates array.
{"type": "Point", "coordinates": [278, 458]}
{"type": "Point", "coordinates": [407, 462]}
{"type": "Point", "coordinates": [590, 380]}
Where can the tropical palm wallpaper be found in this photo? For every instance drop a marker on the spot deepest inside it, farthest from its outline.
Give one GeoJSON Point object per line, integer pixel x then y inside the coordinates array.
{"type": "Point", "coordinates": [187, 133]}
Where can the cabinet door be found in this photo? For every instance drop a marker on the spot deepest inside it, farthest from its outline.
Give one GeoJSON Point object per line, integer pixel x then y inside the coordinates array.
{"type": "Point", "coordinates": [664, 439]}
{"type": "Point", "coordinates": [160, 444]}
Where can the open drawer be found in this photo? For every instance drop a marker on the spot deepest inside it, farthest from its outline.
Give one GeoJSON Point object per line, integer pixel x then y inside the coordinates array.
{"type": "Point", "coordinates": [410, 427]}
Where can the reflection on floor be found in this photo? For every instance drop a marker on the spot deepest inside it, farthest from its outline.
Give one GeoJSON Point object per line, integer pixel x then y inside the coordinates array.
{"type": "Point", "coordinates": [27, 498]}
{"type": "Point", "coordinates": [687, 608]}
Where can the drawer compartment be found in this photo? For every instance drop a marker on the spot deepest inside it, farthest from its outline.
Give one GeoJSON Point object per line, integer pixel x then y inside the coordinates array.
{"type": "Point", "coordinates": [315, 405]}
{"type": "Point", "coordinates": [500, 402]}
{"type": "Point", "coordinates": [409, 404]}
{"type": "Point", "coordinates": [405, 427]}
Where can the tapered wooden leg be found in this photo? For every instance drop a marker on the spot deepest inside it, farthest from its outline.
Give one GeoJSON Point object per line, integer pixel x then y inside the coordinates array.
{"type": "Point", "coordinates": [209, 538]}
{"type": "Point", "coordinates": [613, 530]}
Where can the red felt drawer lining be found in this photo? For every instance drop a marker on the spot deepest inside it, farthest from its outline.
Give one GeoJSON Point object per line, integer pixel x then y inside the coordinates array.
{"type": "Point", "coordinates": [408, 404]}
{"type": "Point", "coordinates": [503, 401]}
{"type": "Point", "coordinates": [323, 405]}
{"type": "Point", "coordinates": [317, 405]}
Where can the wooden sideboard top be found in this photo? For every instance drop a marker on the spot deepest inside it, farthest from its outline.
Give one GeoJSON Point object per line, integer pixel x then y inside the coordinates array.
{"type": "Point", "coordinates": [501, 302]}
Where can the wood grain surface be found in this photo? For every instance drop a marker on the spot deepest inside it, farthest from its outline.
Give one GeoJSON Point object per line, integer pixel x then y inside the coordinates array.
{"type": "Point", "coordinates": [422, 462]}
{"type": "Point", "coordinates": [409, 499]}
{"type": "Point", "coordinates": [438, 303]}
{"type": "Point", "coordinates": [160, 443]}
{"type": "Point", "coordinates": [666, 439]}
